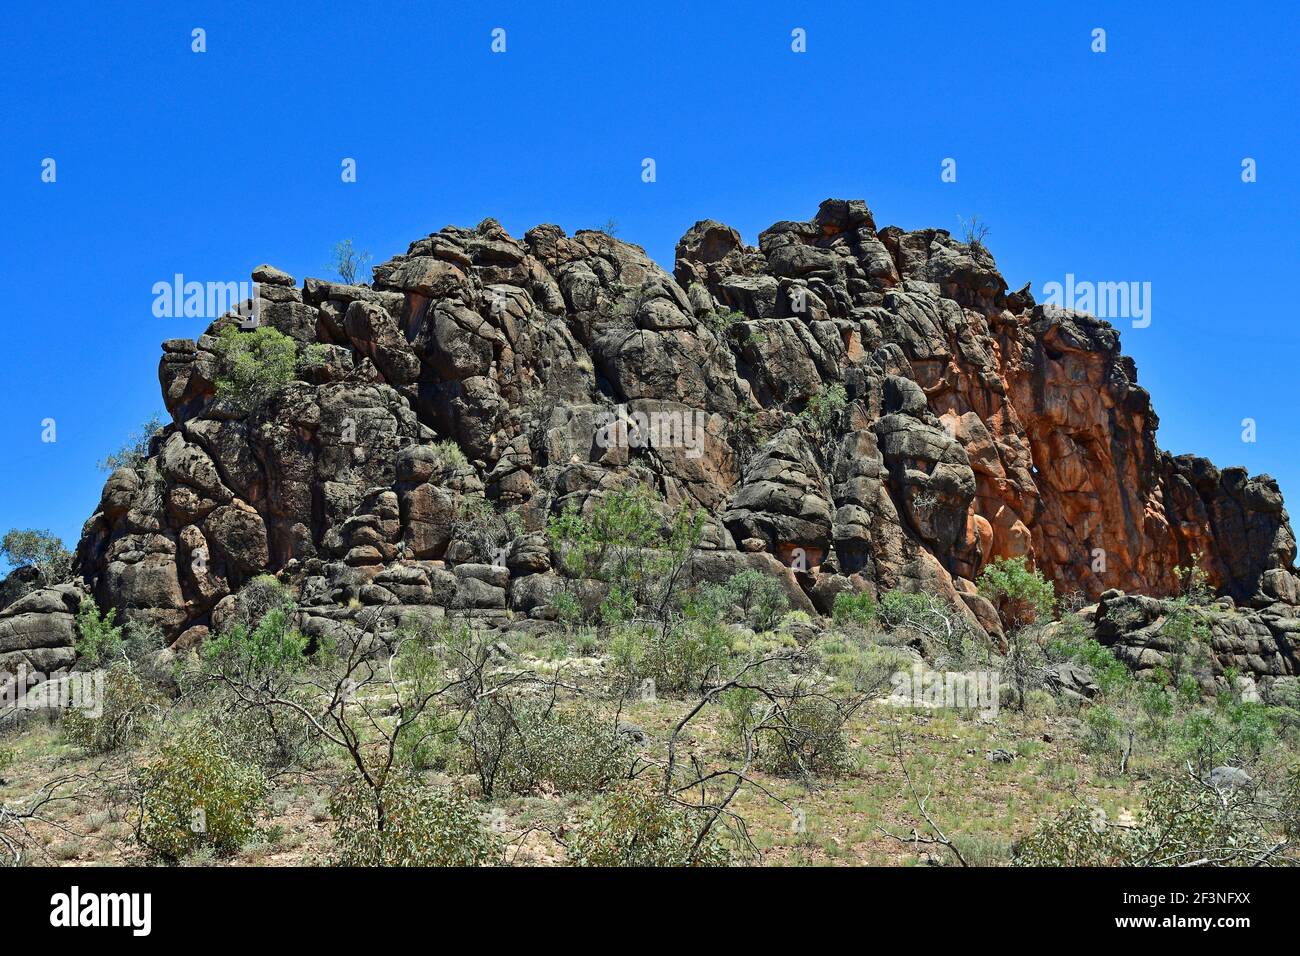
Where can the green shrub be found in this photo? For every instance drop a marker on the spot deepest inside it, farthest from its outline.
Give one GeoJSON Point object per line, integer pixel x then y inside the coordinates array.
{"type": "Point", "coordinates": [447, 456]}
{"type": "Point", "coordinates": [128, 711]}
{"type": "Point", "coordinates": [1181, 822]}
{"type": "Point", "coordinates": [624, 540]}
{"type": "Point", "coordinates": [274, 738]}
{"type": "Point", "coordinates": [635, 828]}
{"type": "Point", "coordinates": [760, 598]}
{"type": "Point", "coordinates": [518, 744]}
{"type": "Point", "coordinates": [254, 366]}
{"type": "Point", "coordinates": [97, 639]}
{"type": "Point", "coordinates": [859, 609]}
{"type": "Point", "coordinates": [825, 406]}
{"type": "Point", "coordinates": [271, 647]}
{"type": "Point", "coordinates": [195, 793]}
{"type": "Point", "coordinates": [1106, 735]}
{"type": "Point", "coordinates": [677, 660]}
{"type": "Point", "coordinates": [1230, 732]}
{"type": "Point", "coordinates": [134, 453]}
{"type": "Point", "coordinates": [1021, 594]}
{"type": "Point", "coordinates": [808, 738]}
{"type": "Point", "coordinates": [722, 322]}
{"type": "Point", "coordinates": [1073, 643]}
{"type": "Point", "coordinates": [859, 666]}
{"type": "Point", "coordinates": [429, 744]}
{"type": "Point", "coordinates": [408, 824]}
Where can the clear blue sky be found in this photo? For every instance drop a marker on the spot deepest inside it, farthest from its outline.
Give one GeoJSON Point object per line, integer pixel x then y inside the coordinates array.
{"type": "Point", "coordinates": [1116, 166]}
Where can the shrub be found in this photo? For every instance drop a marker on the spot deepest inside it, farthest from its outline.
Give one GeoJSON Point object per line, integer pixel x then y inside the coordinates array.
{"type": "Point", "coordinates": [824, 408]}
{"type": "Point", "coordinates": [408, 824]}
{"type": "Point", "coordinates": [859, 609]}
{"type": "Point", "coordinates": [1072, 643]}
{"type": "Point", "coordinates": [760, 598]}
{"type": "Point", "coordinates": [1105, 735]}
{"type": "Point", "coordinates": [517, 744]}
{"type": "Point", "coordinates": [128, 711]}
{"type": "Point", "coordinates": [679, 659]}
{"type": "Point", "coordinates": [273, 738]}
{"type": "Point", "coordinates": [1021, 594]}
{"type": "Point", "coordinates": [97, 639]}
{"type": "Point", "coordinates": [254, 366]}
{"type": "Point", "coordinates": [195, 793]}
{"type": "Point", "coordinates": [974, 230]}
{"type": "Point", "coordinates": [1182, 822]}
{"type": "Point", "coordinates": [1188, 634]}
{"type": "Point", "coordinates": [136, 450]}
{"type": "Point", "coordinates": [430, 744]}
{"type": "Point", "coordinates": [861, 667]}
{"type": "Point", "coordinates": [264, 653]}
{"type": "Point", "coordinates": [807, 738]}
{"type": "Point", "coordinates": [1232, 732]}
{"type": "Point", "coordinates": [623, 541]}
{"type": "Point", "coordinates": [635, 828]}
{"type": "Point", "coordinates": [925, 616]}
{"type": "Point", "coordinates": [1194, 581]}
{"type": "Point", "coordinates": [722, 322]}
{"type": "Point", "coordinates": [270, 648]}
{"type": "Point", "coordinates": [40, 549]}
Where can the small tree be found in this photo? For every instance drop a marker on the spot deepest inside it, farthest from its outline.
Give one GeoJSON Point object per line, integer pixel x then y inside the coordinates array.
{"type": "Point", "coordinates": [423, 826]}
{"type": "Point", "coordinates": [975, 231]}
{"type": "Point", "coordinates": [136, 450]}
{"type": "Point", "coordinates": [1023, 597]}
{"type": "Point", "coordinates": [39, 549]}
{"type": "Point", "coordinates": [623, 541]}
{"type": "Point", "coordinates": [824, 408]}
{"type": "Point", "coordinates": [97, 640]}
{"type": "Point", "coordinates": [1194, 581]}
{"type": "Point", "coordinates": [637, 828]}
{"type": "Point", "coordinates": [348, 261]}
{"type": "Point", "coordinates": [255, 366]}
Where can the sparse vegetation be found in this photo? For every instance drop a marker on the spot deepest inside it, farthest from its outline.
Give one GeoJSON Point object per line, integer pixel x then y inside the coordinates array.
{"type": "Point", "coordinates": [255, 366]}
{"type": "Point", "coordinates": [974, 231]}
{"type": "Point", "coordinates": [136, 450]}
{"type": "Point", "coordinates": [348, 261]}
{"type": "Point", "coordinates": [824, 407]}
{"type": "Point", "coordinates": [22, 547]}
{"type": "Point", "coordinates": [636, 828]}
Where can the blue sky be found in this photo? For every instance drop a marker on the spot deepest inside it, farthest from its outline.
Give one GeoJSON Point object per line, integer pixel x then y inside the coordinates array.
{"type": "Point", "coordinates": [1117, 166]}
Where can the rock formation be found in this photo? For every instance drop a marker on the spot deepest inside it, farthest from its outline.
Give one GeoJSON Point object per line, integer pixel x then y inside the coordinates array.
{"type": "Point", "coordinates": [976, 424]}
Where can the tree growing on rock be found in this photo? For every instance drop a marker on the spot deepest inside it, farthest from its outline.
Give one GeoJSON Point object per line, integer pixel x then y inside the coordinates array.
{"type": "Point", "coordinates": [348, 261]}
{"type": "Point", "coordinates": [255, 366]}
{"type": "Point", "coordinates": [42, 550]}
{"type": "Point", "coordinates": [135, 452]}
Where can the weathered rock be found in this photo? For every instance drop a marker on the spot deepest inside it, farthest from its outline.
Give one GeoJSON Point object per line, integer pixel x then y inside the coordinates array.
{"type": "Point", "coordinates": [974, 424]}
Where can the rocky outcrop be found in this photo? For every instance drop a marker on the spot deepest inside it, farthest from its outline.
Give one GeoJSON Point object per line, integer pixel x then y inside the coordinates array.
{"type": "Point", "coordinates": [37, 634]}
{"type": "Point", "coordinates": [854, 408]}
